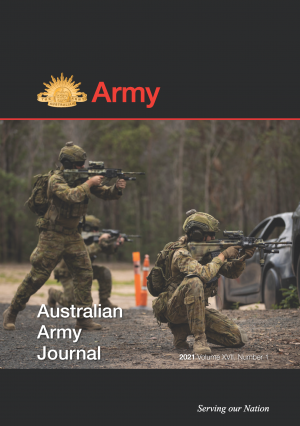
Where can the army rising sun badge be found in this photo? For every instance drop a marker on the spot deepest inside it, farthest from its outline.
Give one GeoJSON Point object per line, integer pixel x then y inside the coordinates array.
{"type": "Point", "coordinates": [62, 93]}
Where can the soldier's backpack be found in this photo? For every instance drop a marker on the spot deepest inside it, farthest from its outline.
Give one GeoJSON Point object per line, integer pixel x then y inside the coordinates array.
{"type": "Point", "coordinates": [160, 275]}
{"type": "Point", "coordinates": [38, 201]}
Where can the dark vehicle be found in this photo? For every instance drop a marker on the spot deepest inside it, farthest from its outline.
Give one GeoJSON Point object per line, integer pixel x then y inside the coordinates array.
{"type": "Point", "coordinates": [257, 284]}
{"type": "Point", "coordinates": [296, 247]}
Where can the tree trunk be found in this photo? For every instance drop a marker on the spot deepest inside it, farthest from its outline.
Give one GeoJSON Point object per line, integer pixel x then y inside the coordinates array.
{"type": "Point", "coordinates": [180, 175]}
{"type": "Point", "coordinates": [5, 127]}
{"type": "Point", "coordinates": [277, 167]}
{"type": "Point", "coordinates": [149, 185]}
{"type": "Point", "coordinates": [209, 147]}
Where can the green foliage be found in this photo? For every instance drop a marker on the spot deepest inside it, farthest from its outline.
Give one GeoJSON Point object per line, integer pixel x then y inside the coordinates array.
{"type": "Point", "coordinates": [256, 307]}
{"type": "Point", "coordinates": [276, 307]}
{"type": "Point", "coordinates": [242, 173]}
{"type": "Point", "coordinates": [235, 305]}
{"type": "Point", "coordinates": [10, 186]}
{"type": "Point", "coordinates": [291, 299]}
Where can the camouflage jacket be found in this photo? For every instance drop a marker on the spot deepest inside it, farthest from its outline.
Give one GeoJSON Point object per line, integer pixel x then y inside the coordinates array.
{"type": "Point", "coordinates": [68, 204]}
{"type": "Point", "coordinates": [183, 264]}
{"type": "Point", "coordinates": [104, 247]}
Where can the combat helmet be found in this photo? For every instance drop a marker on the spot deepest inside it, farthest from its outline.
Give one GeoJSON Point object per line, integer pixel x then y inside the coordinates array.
{"type": "Point", "coordinates": [91, 222]}
{"type": "Point", "coordinates": [205, 222]}
{"type": "Point", "coordinates": [71, 153]}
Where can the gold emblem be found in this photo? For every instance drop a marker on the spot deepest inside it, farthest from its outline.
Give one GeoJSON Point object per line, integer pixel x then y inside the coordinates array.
{"type": "Point", "coordinates": [62, 93]}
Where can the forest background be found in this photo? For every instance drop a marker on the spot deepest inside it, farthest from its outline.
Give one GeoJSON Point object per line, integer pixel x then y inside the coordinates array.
{"type": "Point", "coordinates": [238, 171]}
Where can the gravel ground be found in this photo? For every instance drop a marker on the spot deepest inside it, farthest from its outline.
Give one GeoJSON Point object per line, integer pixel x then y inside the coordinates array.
{"type": "Point", "coordinates": [136, 341]}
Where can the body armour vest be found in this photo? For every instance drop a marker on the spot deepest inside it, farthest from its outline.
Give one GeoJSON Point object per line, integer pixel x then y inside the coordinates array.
{"type": "Point", "coordinates": [62, 212]}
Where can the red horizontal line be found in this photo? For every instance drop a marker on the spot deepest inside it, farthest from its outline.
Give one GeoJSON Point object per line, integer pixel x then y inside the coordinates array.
{"type": "Point", "coordinates": [194, 119]}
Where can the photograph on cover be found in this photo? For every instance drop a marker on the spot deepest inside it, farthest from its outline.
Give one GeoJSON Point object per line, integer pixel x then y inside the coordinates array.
{"type": "Point", "coordinates": [141, 244]}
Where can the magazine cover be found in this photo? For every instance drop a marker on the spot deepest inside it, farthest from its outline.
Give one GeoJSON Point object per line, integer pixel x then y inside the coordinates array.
{"type": "Point", "coordinates": [149, 210]}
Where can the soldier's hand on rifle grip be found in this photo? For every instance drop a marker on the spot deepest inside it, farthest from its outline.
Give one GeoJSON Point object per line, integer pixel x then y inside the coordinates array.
{"type": "Point", "coordinates": [231, 252]}
{"type": "Point", "coordinates": [249, 252]}
{"type": "Point", "coordinates": [121, 184]}
{"type": "Point", "coordinates": [120, 241]}
{"type": "Point", "coordinates": [103, 237]}
{"type": "Point", "coordinates": [95, 181]}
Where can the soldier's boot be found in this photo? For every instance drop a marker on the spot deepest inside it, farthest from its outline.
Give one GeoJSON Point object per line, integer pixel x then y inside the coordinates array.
{"type": "Point", "coordinates": [201, 346]}
{"type": "Point", "coordinates": [51, 300]}
{"type": "Point", "coordinates": [180, 333]}
{"type": "Point", "coordinates": [106, 303]}
{"type": "Point", "coordinates": [9, 318]}
{"type": "Point", "coordinates": [87, 324]}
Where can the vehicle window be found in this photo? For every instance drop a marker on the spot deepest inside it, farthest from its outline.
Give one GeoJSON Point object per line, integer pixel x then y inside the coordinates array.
{"type": "Point", "coordinates": [274, 230]}
{"type": "Point", "coordinates": [257, 231]}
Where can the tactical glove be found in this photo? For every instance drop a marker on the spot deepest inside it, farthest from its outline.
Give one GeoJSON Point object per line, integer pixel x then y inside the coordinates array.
{"type": "Point", "coordinates": [249, 252]}
{"type": "Point", "coordinates": [231, 252]}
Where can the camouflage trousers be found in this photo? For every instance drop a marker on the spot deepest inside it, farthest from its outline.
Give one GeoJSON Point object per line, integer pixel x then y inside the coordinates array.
{"type": "Point", "coordinates": [51, 248]}
{"type": "Point", "coordinates": [187, 305]}
{"type": "Point", "coordinates": [66, 298]}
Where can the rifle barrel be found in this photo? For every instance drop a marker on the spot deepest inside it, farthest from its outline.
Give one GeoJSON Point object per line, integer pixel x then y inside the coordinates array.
{"type": "Point", "coordinates": [134, 173]}
{"type": "Point", "coordinates": [280, 242]}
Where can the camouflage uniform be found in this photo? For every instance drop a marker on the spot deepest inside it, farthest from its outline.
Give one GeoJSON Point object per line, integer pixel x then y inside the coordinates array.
{"type": "Point", "coordinates": [189, 285]}
{"type": "Point", "coordinates": [187, 297]}
{"type": "Point", "coordinates": [59, 238]}
{"type": "Point", "coordinates": [100, 273]}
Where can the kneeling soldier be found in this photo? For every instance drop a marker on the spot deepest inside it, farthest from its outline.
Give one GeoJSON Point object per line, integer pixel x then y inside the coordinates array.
{"type": "Point", "coordinates": [189, 284]}
{"type": "Point", "coordinates": [106, 245]}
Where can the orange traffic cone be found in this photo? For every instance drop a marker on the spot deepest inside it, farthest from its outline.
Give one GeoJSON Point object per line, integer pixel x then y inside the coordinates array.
{"type": "Point", "coordinates": [144, 292]}
{"type": "Point", "coordinates": [137, 277]}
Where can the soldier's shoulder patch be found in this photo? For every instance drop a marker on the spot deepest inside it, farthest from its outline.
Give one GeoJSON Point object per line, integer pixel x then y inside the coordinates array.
{"type": "Point", "coordinates": [182, 252]}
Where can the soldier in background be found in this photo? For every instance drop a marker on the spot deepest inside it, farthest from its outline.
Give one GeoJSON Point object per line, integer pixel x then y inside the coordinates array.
{"type": "Point", "coordinates": [59, 237]}
{"type": "Point", "coordinates": [189, 285]}
{"type": "Point", "coordinates": [106, 245]}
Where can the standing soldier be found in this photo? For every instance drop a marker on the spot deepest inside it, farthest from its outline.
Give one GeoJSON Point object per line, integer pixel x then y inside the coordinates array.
{"type": "Point", "coordinates": [183, 300]}
{"type": "Point", "coordinates": [59, 237]}
{"type": "Point", "coordinates": [106, 245]}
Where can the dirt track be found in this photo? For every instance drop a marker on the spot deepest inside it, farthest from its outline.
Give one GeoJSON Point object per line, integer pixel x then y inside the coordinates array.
{"type": "Point", "coordinates": [123, 293]}
{"type": "Point", "coordinates": [136, 341]}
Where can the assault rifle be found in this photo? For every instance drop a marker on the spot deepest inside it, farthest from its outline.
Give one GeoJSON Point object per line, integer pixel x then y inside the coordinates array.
{"type": "Point", "coordinates": [114, 233]}
{"type": "Point", "coordinates": [234, 238]}
{"type": "Point", "coordinates": [93, 237]}
{"type": "Point", "coordinates": [75, 177]}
